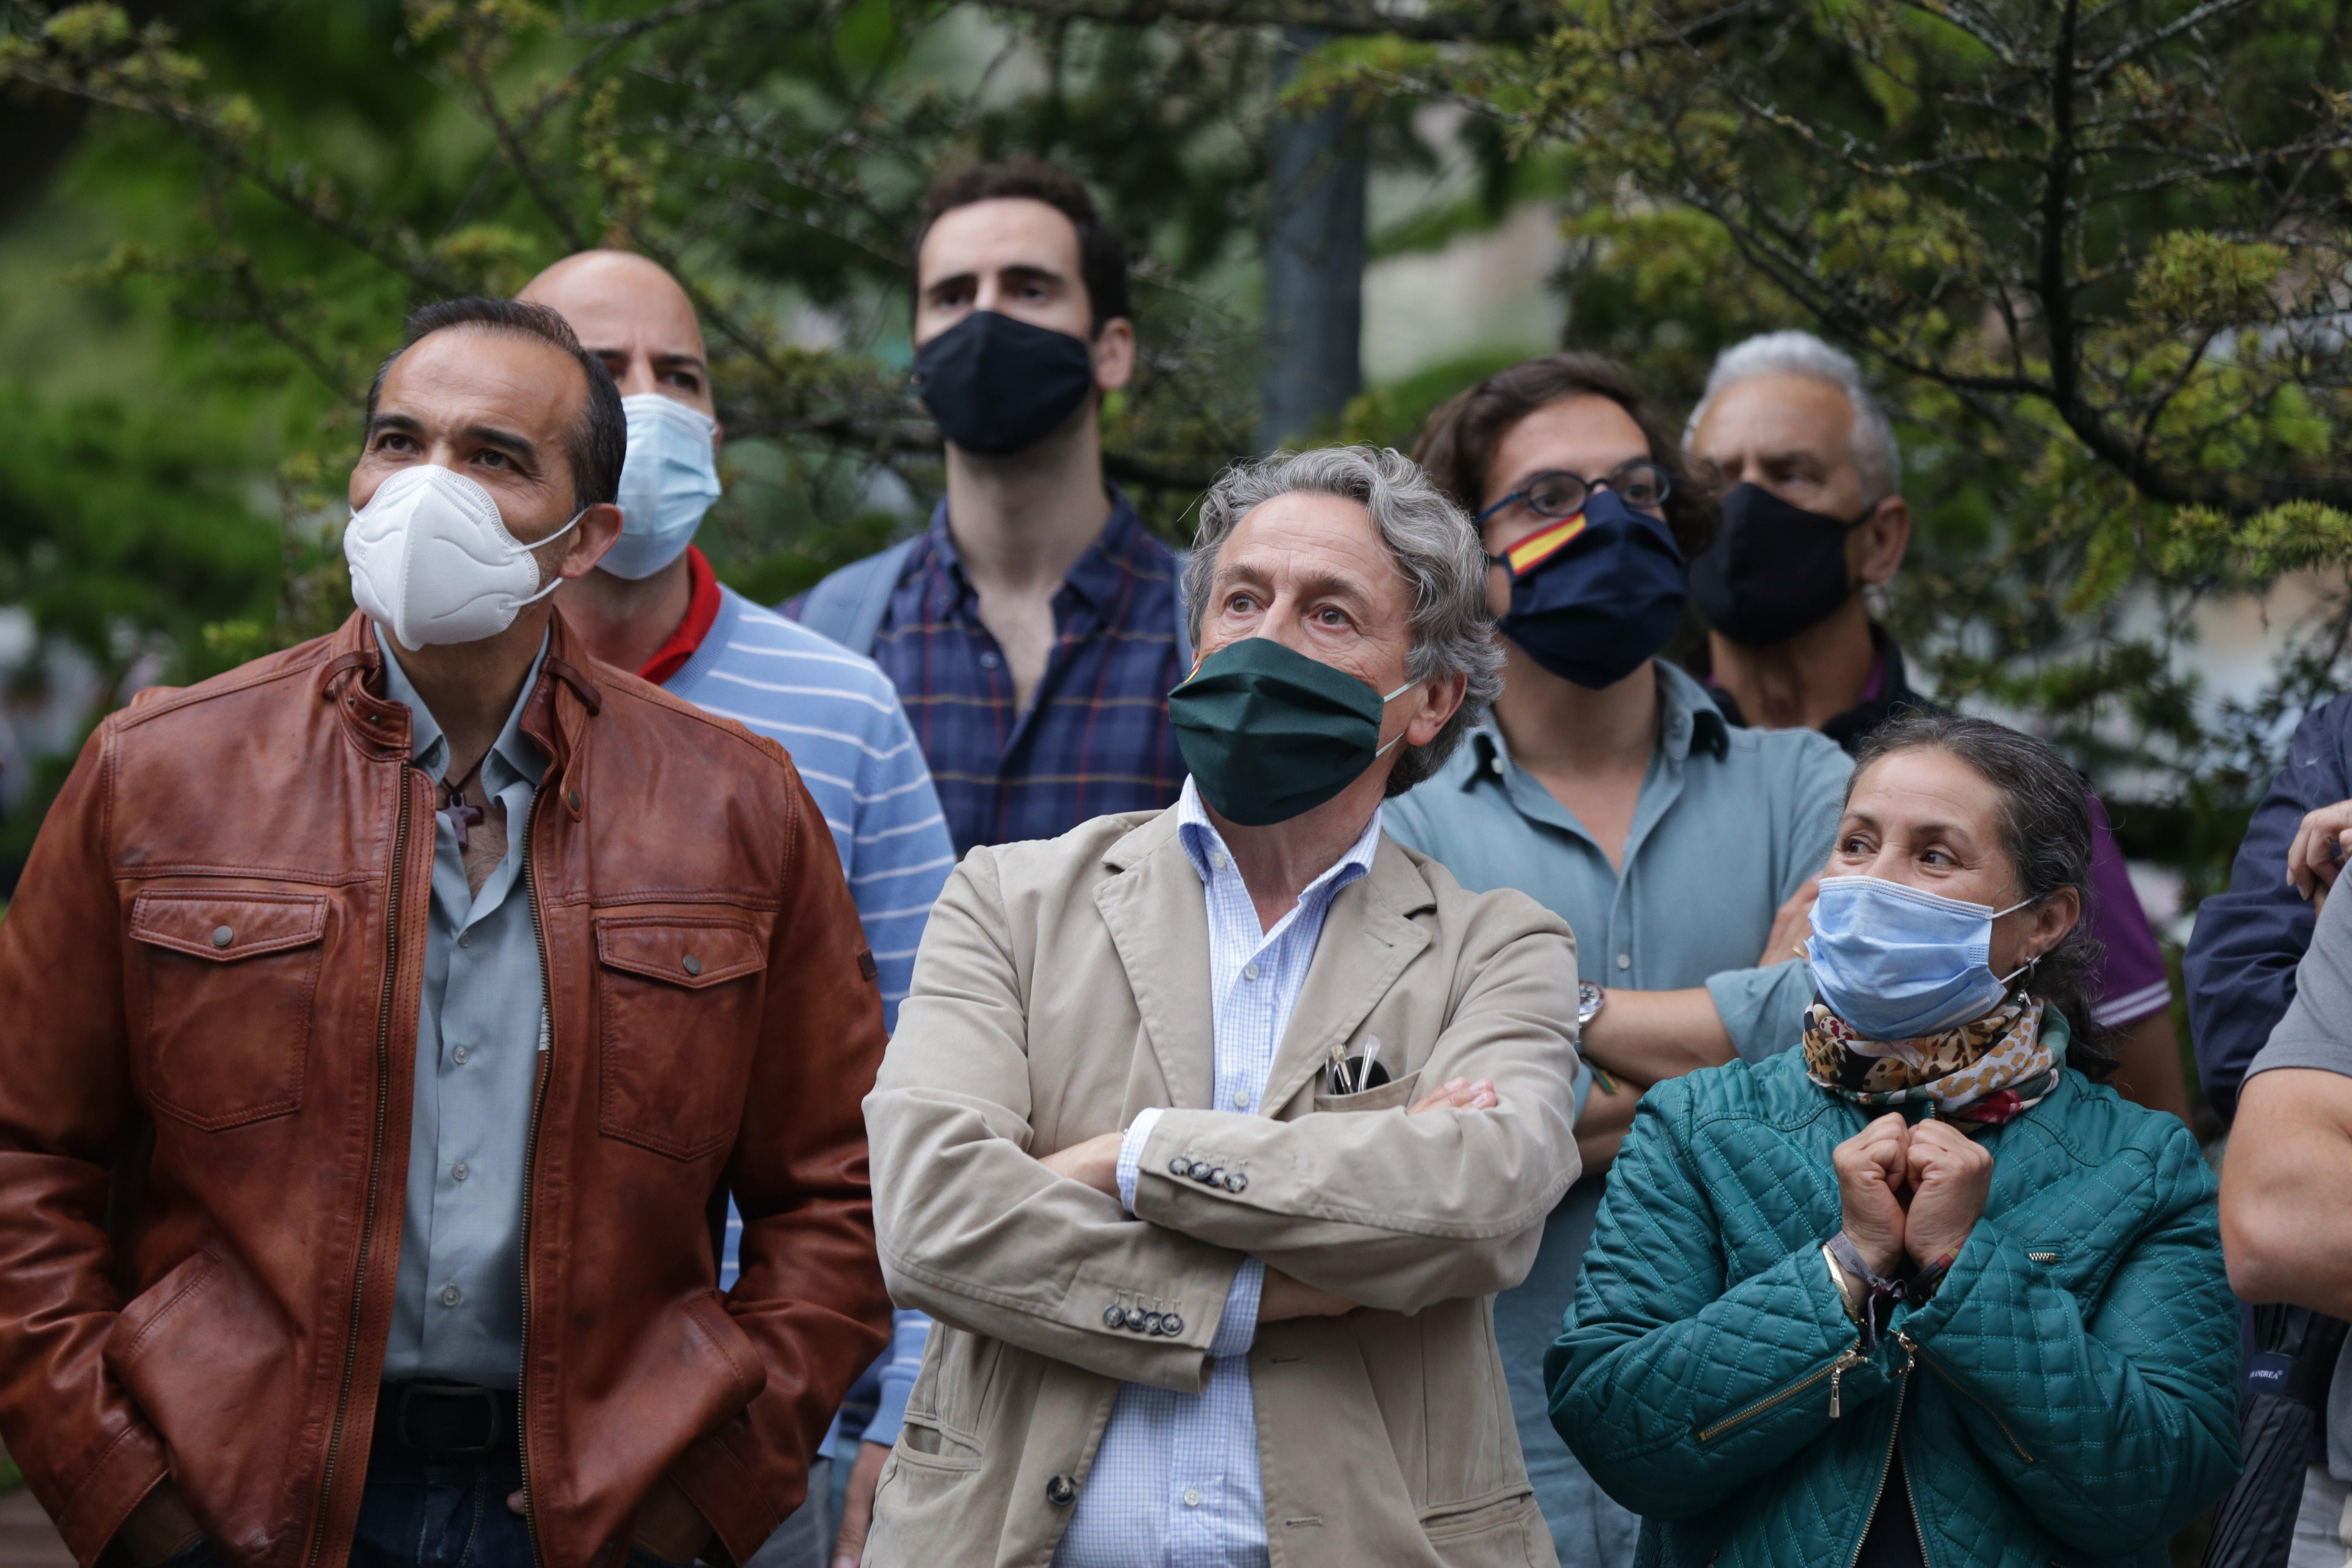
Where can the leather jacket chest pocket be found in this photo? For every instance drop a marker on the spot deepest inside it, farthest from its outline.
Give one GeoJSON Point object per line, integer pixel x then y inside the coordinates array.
{"type": "Point", "coordinates": [228, 978]}
{"type": "Point", "coordinates": [677, 1011]}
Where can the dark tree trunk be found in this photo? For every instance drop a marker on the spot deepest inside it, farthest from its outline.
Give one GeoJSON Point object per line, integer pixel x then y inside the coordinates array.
{"type": "Point", "coordinates": [1314, 262]}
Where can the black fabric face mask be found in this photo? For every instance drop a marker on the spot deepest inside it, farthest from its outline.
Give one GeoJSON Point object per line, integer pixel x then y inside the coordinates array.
{"type": "Point", "coordinates": [998, 385]}
{"type": "Point", "coordinates": [1775, 569]}
{"type": "Point", "coordinates": [1594, 595]}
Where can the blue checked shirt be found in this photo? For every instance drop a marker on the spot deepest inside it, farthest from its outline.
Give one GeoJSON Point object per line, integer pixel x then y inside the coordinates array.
{"type": "Point", "coordinates": [1175, 1483]}
{"type": "Point", "coordinates": [1095, 738]}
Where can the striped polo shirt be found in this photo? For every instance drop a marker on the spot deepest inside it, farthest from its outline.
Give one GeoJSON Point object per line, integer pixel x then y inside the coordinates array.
{"type": "Point", "coordinates": [839, 718]}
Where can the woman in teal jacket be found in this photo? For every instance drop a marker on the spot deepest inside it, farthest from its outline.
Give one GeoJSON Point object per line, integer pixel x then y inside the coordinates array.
{"type": "Point", "coordinates": [1922, 1291]}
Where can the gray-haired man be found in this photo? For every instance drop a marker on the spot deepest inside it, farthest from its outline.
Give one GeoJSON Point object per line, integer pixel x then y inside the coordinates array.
{"type": "Point", "coordinates": [1815, 519]}
{"type": "Point", "coordinates": [1095, 1138]}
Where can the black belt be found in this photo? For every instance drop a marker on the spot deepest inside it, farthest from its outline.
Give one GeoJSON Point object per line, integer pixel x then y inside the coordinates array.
{"type": "Point", "coordinates": [446, 1420]}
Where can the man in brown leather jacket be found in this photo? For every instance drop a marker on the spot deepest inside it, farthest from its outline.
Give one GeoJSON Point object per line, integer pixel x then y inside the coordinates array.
{"type": "Point", "coordinates": [382, 1026]}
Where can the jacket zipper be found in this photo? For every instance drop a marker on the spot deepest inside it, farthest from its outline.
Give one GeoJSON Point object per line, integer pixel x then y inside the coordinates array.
{"type": "Point", "coordinates": [1894, 1435]}
{"type": "Point", "coordinates": [1936, 1367]}
{"type": "Point", "coordinates": [530, 1163]}
{"type": "Point", "coordinates": [1835, 1369]}
{"type": "Point", "coordinates": [375, 1160]}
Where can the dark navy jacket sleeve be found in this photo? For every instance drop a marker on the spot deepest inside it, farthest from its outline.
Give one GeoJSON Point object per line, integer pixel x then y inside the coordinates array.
{"type": "Point", "coordinates": [2241, 961]}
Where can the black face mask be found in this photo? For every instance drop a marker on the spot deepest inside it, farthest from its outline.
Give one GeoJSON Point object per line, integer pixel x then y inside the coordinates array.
{"type": "Point", "coordinates": [997, 385]}
{"type": "Point", "coordinates": [1594, 595]}
{"type": "Point", "coordinates": [1773, 571]}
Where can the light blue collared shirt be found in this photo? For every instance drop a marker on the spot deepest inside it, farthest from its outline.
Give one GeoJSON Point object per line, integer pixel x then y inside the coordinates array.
{"type": "Point", "coordinates": [456, 1305]}
{"type": "Point", "coordinates": [1728, 824]}
{"type": "Point", "coordinates": [1175, 1483]}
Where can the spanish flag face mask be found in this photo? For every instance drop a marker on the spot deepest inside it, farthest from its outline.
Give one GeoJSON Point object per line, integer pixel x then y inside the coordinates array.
{"type": "Point", "coordinates": [1594, 595]}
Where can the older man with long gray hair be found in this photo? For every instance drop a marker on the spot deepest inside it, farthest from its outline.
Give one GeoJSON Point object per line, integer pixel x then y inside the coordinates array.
{"type": "Point", "coordinates": [1209, 1134]}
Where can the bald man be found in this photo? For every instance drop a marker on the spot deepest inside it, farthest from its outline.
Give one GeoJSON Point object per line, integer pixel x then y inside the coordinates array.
{"type": "Point", "coordinates": [655, 607]}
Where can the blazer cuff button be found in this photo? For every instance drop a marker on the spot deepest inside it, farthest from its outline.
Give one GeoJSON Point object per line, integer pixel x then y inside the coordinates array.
{"type": "Point", "coordinates": [1180, 1166]}
{"type": "Point", "coordinates": [1235, 1181]}
{"type": "Point", "coordinates": [1113, 1316]}
{"type": "Point", "coordinates": [1171, 1324]}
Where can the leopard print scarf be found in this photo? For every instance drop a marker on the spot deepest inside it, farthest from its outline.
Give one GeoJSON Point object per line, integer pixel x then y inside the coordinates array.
{"type": "Point", "coordinates": [1984, 1072]}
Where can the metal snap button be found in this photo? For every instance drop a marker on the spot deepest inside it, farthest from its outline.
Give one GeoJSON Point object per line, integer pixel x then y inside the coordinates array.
{"type": "Point", "coordinates": [223, 936]}
{"type": "Point", "coordinates": [461, 1170]}
{"type": "Point", "coordinates": [693, 964]}
{"type": "Point", "coordinates": [450, 1297]}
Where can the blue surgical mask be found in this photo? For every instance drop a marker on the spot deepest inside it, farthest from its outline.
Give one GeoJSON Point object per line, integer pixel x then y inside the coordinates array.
{"type": "Point", "coordinates": [668, 482]}
{"type": "Point", "coordinates": [1897, 962]}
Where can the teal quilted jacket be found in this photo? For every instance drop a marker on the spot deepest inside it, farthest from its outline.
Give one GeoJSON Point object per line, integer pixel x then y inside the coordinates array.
{"type": "Point", "coordinates": [2068, 1395]}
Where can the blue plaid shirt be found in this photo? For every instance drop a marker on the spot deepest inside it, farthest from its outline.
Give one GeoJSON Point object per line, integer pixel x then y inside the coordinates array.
{"type": "Point", "coordinates": [1096, 737]}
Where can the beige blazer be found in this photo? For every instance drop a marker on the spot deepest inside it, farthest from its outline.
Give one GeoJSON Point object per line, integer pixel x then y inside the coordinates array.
{"type": "Point", "coordinates": [1062, 987]}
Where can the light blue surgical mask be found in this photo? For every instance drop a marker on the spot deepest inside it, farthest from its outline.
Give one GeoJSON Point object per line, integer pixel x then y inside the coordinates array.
{"type": "Point", "coordinates": [668, 482]}
{"type": "Point", "coordinates": [1897, 962]}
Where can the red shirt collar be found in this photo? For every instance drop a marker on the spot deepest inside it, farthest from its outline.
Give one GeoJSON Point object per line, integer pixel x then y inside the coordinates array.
{"type": "Point", "coordinates": [701, 610]}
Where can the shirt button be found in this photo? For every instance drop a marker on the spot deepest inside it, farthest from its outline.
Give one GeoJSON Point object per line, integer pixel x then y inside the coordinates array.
{"type": "Point", "coordinates": [1249, 972]}
{"type": "Point", "coordinates": [1191, 1497]}
{"type": "Point", "coordinates": [462, 1054]}
{"type": "Point", "coordinates": [450, 1297]}
{"type": "Point", "coordinates": [1624, 961]}
{"type": "Point", "coordinates": [1217, 860]}
{"type": "Point", "coordinates": [989, 661]}
{"type": "Point", "coordinates": [466, 940]}
{"type": "Point", "coordinates": [1240, 1100]}
{"type": "Point", "coordinates": [461, 1170]}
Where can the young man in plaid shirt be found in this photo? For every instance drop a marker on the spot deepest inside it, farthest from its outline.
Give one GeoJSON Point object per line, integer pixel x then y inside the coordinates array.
{"type": "Point", "coordinates": [1034, 629]}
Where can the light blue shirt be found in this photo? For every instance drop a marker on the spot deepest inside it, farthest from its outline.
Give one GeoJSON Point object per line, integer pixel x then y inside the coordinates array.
{"type": "Point", "coordinates": [1729, 823]}
{"type": "Point", "coordinates": [839, 716]}
{"type": "Point", "coordinates": [456, 1304]}
{"type": "Point", "coordinates": [1175, 1482]}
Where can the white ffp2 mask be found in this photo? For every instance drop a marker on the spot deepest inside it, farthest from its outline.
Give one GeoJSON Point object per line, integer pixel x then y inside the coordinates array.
{"type": "Point", "coordinates": [432, 560]}
{"type": "Point", "coordinates": [668, 482]}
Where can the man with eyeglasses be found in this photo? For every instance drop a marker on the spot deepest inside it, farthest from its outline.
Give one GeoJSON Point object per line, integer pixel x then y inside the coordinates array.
{"type": "Point", "coordinates": [1608, 786]}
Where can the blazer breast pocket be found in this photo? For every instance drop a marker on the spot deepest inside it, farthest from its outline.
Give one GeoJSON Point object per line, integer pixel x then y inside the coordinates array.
{"type": "Point", "coordinates": [1397, 1091]}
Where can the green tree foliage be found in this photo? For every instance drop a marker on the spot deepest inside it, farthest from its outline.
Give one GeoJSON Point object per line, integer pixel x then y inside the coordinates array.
{"type": "Point", "coordinates": [2101, 251]}
{"type": "Point", "coordinates": [2096, 250]}
{"type": "Point", "coordinates": [285, 181]}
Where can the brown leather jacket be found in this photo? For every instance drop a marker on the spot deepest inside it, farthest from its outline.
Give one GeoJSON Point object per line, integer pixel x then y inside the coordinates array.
{"type": "Point", "coordinates": [208, 996]}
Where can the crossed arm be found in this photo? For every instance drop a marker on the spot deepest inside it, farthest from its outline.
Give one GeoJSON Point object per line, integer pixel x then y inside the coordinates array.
{"type": "Point", "coordinates": [1384, 1210]}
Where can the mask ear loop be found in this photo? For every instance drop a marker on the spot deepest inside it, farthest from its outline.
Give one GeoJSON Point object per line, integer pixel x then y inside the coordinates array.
{"type": "Point", "coordinates": [1392, 697]}
{"type": "Point", "coordinates": [2027, 967]}
{"type": "Point", "coordinates": [530, 549]}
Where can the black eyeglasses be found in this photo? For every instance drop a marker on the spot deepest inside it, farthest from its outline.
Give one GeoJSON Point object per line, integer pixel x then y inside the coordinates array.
{"type": "Point", "coordinates": [1642, 483]}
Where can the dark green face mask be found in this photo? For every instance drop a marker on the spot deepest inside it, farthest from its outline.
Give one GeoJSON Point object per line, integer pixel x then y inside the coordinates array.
{"type": "Point", "coordinates": [1269, 733]}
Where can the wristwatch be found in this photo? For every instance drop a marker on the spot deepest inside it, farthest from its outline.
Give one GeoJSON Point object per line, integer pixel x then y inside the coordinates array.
{"type": "Point", "coordinates": [1589, 1000]}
